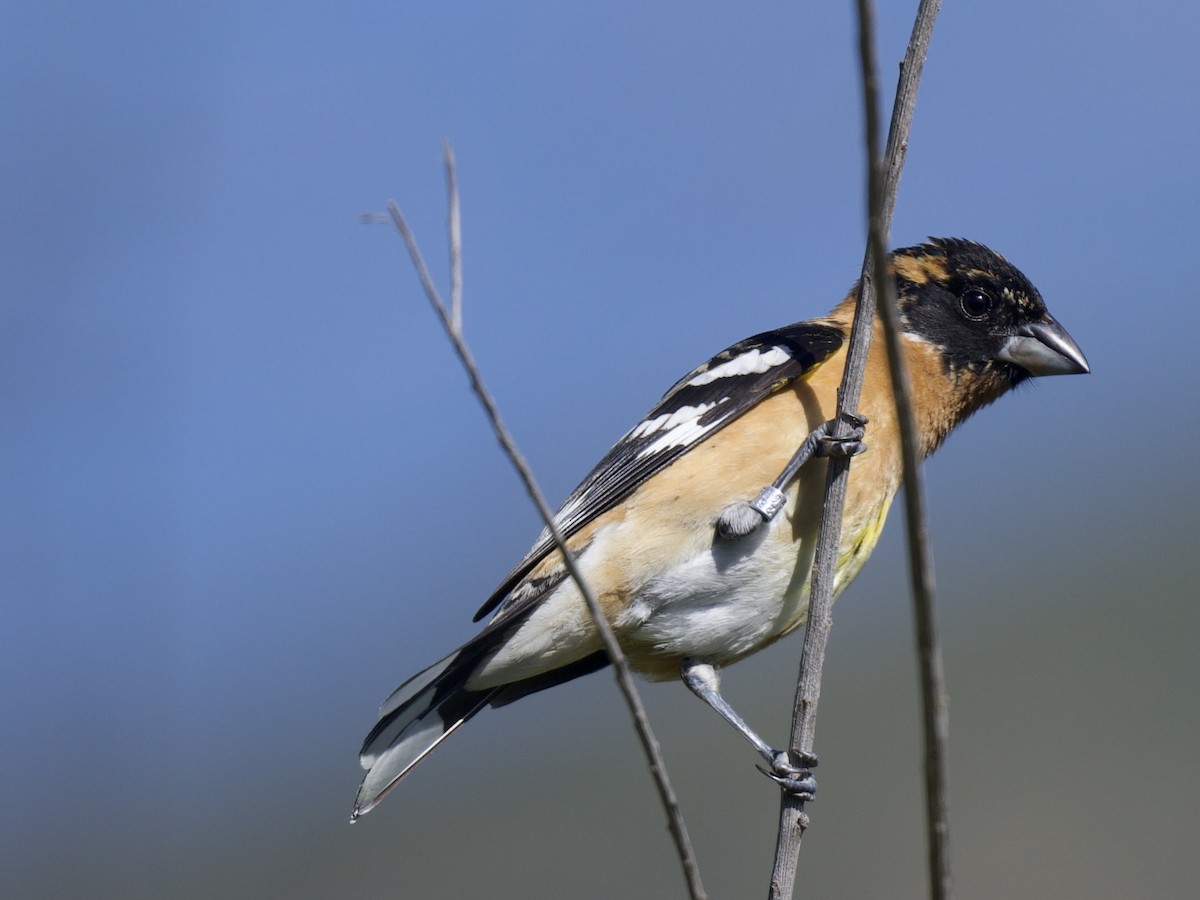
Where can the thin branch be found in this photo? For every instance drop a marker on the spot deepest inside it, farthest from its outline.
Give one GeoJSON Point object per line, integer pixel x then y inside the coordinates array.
{"type": "Point", "coordinates": [455, 228]}
{"type": "Point", "coordinates": [935, 717]}
{"type": "Point", "coordinates": [883, 182]}
{"type": "Point", "coordinates": [452, 323]}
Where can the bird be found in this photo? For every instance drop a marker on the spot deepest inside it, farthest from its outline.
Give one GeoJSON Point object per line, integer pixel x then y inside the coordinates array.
{"type": "Point", "coordinates": [691, 570]}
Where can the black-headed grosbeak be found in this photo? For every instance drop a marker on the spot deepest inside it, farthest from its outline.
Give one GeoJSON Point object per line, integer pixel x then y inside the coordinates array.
{"type": "Point", "coordinates": [659, 528]}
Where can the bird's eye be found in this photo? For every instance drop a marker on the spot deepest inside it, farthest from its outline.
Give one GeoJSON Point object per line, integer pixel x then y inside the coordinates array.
{"type": "Point", "coordinates": [975, 304]}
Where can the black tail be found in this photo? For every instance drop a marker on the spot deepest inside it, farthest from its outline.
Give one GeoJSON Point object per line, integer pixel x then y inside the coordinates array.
{"type": "Point", "coordinates": [418, 716]}
{"type": "Point", "coordinates": [431, 705]}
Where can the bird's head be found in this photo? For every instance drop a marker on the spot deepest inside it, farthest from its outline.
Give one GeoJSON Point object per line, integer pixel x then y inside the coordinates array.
{"type": "Point", "coordinates": [975, 327]}
{"type": "Point", "coordinates": [984, 317]}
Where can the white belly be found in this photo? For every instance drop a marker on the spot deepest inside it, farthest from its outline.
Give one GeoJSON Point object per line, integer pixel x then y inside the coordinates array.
{"type": "Point", "coordinates": [723, 602]}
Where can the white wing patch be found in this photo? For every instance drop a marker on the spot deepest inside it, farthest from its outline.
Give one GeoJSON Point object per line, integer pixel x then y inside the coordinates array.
{"type": "Point", "coordinates": [671, 420]}
{"type": "Point", "coordinates": [677, 428]}
{"type": "Point", "coordinates": [751, 362]}
{"type": "Point", "coordinates": [680, 429]}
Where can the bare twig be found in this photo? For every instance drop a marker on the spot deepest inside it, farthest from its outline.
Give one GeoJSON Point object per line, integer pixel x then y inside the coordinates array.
{"type": "Point", "coordinates": [883, 181]}
{"type": "Point", "coordinates": [455, 228]}
{"type": "Point", "coordinates": [935, 716]}
{"type": "Point", "coordinates": [452, 322]}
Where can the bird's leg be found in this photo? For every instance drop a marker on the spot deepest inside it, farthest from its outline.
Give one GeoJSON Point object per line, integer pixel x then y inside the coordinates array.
{"type": "Point", "coordinates": [704, 682]}
{"type": "Point", "coordinates": [742, 518]}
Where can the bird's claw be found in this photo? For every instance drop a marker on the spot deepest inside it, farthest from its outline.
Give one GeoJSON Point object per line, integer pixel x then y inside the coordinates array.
{"type": "Point", "coordinates": [850, 445]}
{"type": "Point", "coordinates": [794, 779]}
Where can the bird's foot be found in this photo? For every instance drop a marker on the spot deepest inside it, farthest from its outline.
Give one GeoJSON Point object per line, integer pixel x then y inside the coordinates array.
{"type": "Point", "coordinates": [793, 779]}
{"type": "Point", "coordinates": [850, 445]}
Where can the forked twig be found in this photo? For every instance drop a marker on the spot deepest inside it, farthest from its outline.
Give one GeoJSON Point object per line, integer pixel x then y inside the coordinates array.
{"type": "Point", "coordinates": [883, 181]}
{"type": "Point", "coordinates": [452, 323]}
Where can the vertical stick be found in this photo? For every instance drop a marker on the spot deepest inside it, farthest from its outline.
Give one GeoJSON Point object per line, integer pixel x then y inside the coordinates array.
{"type": "Point", "coordinates": [883, 182]}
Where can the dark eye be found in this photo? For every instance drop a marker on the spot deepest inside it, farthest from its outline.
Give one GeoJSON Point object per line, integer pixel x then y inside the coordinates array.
{"type": "Point", "coordinates": [975, 304]}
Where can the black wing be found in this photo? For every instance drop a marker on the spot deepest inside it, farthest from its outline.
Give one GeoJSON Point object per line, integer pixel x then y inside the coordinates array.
{"type": "Point", "coordinates": [699, 405]}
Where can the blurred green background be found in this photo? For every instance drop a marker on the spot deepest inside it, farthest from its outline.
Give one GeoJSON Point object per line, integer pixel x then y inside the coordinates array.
{"type": "Point", "coordinates": [245, 490]}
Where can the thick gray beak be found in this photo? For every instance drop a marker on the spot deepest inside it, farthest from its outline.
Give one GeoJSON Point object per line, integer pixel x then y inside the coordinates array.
{"type": "Point", "coordinates": [1044, 348]}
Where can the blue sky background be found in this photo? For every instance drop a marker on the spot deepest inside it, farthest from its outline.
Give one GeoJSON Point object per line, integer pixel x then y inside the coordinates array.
{"type": "Point", "coordinates": [245, 490]}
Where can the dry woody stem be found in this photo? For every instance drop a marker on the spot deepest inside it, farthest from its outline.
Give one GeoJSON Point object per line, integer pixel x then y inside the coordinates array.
{"type": "Point", "coordinates": [883, 181]}
{"type": "Point", "coordinates": [451, 320]}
